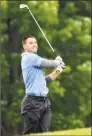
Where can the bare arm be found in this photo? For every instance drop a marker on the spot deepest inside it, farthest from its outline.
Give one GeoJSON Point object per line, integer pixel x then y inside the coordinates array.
{"type": "Point", "coordinates": [54, 74]}
{"type": "Point", "coordinates": [51, 76]}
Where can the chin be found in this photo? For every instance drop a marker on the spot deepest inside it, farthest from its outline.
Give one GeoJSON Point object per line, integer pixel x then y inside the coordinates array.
{"type": "Point", "coordinates": [35, 51]}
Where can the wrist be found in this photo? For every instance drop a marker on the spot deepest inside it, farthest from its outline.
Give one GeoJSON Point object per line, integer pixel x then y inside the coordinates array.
{"type": "Point", "coordinates": [58, 72]}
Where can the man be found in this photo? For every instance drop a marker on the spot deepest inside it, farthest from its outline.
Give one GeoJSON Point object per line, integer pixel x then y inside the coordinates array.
{"type": "Point", "coordinates": [35, 106]}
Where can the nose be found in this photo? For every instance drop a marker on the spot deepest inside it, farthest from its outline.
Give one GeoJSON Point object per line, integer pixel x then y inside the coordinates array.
{"type": "Point", "coordinates": [35, 44]}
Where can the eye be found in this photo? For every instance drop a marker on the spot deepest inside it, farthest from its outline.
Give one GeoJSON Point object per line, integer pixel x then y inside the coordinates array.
{"type": "Point", "coordinates": [30, 42]}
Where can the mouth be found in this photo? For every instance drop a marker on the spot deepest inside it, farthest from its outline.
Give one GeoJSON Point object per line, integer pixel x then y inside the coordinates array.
{"type": "Point", "coordinates": [34, 49]}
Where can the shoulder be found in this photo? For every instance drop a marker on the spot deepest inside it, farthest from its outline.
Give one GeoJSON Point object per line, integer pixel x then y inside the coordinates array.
{"type": "Point", "coordinates": [31, 56]}
{"type": "Point", "coordinates": [31, 59]}
{"type": "Point", "coordinates": [28, 55]}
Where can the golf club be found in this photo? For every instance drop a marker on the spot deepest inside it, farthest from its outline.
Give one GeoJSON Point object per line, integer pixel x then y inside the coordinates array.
{"type": "Point", "coordinates": [25, 6]}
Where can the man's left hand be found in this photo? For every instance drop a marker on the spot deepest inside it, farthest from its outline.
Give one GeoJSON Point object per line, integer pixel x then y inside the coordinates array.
{"type": "Point", "coordinates": [60, 68]}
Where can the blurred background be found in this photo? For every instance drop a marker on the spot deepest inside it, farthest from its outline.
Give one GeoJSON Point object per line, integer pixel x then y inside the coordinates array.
{"type": "Point", "coordinates": [67, 25]}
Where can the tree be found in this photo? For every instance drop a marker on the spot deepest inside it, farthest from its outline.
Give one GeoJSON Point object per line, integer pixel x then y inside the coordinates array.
{"type": "Point", "coordinates": [75, 39]}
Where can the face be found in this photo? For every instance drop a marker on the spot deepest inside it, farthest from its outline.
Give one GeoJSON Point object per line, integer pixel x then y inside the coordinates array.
{"type": "Point", "coordinates": [31, 45]}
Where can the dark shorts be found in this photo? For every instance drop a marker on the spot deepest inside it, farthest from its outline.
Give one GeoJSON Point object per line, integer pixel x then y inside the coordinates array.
{"type": "Point", "coordinates": [37, 114]}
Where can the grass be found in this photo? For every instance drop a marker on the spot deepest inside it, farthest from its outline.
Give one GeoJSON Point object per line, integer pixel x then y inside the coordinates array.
{"type": "Point", "coordinates": [73, 132]}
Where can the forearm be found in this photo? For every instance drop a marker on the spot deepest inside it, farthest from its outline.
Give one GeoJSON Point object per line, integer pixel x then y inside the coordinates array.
{"type": "Point", "coordinates": [51, 76]}
{"type": "Point", "coordinates": [49, 64]}
{"type": "Point", "coordinates": [54, 74]}
{"type": "Point", "coordinates": [48, 79]}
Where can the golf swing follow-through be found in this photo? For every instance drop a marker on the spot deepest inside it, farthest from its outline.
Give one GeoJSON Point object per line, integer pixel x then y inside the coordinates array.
{"type": "Point", "coordinates": [35, 106]}
{"type": "Point", "coordinates": [25, 6]}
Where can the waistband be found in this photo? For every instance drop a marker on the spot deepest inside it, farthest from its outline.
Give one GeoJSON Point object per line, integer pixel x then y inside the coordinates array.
{"type": "Point", "coordinates": [37, 97]}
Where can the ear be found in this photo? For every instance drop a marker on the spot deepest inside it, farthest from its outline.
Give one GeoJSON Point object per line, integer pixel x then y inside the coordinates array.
{"type": "Point", "coordinates": [24, 46]}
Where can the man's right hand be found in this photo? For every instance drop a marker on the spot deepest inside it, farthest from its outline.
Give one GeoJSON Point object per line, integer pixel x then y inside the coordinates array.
{"type": "Point", "coordinates": [59, 69]}
{"type": "Point", "coordinates": [58, 58]}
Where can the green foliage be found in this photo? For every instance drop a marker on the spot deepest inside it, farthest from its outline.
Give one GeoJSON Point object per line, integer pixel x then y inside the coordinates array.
{"type": "Point", "coordinates": [5, 67]}
{"type": "Point", "coordinates": [66, 122]}
{"type": "Point", "coordinates": [67, 26]}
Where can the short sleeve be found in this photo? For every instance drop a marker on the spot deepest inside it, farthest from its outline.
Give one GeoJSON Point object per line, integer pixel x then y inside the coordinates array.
{"type": "Point", "coordinates": [35, 60]}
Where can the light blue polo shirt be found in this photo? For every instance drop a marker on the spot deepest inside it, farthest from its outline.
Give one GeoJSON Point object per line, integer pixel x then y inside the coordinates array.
{"type": "Point", "coordinates": [33, 75]}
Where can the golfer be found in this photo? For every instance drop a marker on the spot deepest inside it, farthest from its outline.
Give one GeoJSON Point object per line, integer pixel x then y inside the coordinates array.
{"type": "Point", "coordinates": [35, 106]}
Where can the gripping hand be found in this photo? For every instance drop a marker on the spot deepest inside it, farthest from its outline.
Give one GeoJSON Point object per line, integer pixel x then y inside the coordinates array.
{"type": "Point", "coordinates": [59, 68]}
{"type": "Point", "coordinates": [60, 60]}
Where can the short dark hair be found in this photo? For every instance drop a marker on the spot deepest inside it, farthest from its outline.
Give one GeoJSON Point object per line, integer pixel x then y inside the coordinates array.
{"type": "Point", "coordinates": [26, 37]}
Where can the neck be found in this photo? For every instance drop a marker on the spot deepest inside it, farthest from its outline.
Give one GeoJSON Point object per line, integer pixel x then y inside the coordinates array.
{"type": "Point", "coordinates": [30, 51]}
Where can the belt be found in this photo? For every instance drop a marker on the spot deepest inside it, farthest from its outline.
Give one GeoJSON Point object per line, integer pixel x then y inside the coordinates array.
{"type": "Point", "coordinates": [37, 97]}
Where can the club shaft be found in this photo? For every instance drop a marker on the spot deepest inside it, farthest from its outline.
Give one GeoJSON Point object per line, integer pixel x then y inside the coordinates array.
{"type": "Point", "coordinates": [42, 32]}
